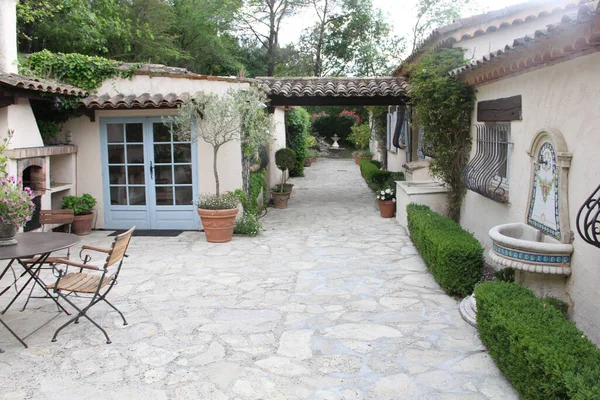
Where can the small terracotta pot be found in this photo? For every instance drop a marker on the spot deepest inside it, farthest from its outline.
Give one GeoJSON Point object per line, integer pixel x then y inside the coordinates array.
{"type": "Point", "coordinates": [387, 208]}
{"type": "Point", "coordinates": [280, 199]}
{"type": "Point", "coordinates": [313, 159]}
{"type": "Point", "coordinates": [307, 162]}
{"type": "Point", "coordinates": [357, 160]}
{"type": "Point", "coordinates": [82, 224]}
{"type": "Point", "coordinates": [218, 224]}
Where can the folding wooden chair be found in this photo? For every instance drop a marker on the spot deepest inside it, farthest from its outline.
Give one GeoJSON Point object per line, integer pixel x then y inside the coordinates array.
{"type": "Point", "coordinates": [97, 284]}
{"type": "Point", "coordinates": [51, 217]}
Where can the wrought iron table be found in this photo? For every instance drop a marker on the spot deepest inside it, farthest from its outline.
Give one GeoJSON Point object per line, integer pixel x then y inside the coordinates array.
{"type": "Point", "coordinates": [31, 244]}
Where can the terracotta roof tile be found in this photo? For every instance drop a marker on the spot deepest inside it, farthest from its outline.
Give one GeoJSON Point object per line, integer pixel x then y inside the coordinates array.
{"type": "Point", "coordinates": [443, 37]}
{"type": "Point", "coordinates": [585, 13]}
{"type": "Point", "coordinates": [144, 100]}
{"type": "Point", "coordinates": [39, 85]}
{"type": "Point", "coordinates": [333, 87]}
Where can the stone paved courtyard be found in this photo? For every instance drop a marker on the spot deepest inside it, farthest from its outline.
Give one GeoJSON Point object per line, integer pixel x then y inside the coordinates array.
{"type": "Point", "coordinates": [330, 302]}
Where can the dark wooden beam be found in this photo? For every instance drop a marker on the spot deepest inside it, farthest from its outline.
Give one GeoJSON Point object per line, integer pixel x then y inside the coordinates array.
{"type": "Point", "coordinates": [90, 113]}
{"type": "Point", "coordinates": [26, 94]}
{"type": "Point", "coordinates": [336, 101]}
{"type": "Point", "coordinates": [506, 109]}
{"type": "Point", "coordinates": [6, 101]}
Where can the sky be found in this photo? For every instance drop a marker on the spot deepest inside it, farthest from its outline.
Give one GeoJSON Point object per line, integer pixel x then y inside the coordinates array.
{"type": "Point", "coordinates": [401, 14]}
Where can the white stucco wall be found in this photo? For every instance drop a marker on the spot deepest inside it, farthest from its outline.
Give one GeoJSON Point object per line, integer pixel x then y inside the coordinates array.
{"type": "Point", "coordinates": [565, 97]}
{"type": "Point", "coordinates": [396, 160]}
{"type": "Point", "coordinates": [19, 117]}
{"type": "Point", "coordinates": [86, 135]}
{"type": "Point", "coordinates": [278, 120]}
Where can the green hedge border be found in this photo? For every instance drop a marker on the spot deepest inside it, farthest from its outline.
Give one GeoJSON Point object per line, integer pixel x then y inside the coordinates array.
{"type": "Point", "coordinates": [377, 178]}
{"type": "Point", "coordinates": [453, 255]}
{"type": "Point", "coordinates": [544, 355]}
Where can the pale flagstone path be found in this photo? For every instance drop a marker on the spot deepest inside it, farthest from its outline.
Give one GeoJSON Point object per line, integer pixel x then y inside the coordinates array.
{"type": "Point", "coordinates": [330, 302]}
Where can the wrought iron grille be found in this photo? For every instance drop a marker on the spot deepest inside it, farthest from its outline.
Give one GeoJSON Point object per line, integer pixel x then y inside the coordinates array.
{"type": "Point", "coordinates": [588, 219]}
{"type": "Point", "coordinates": [487, 172]}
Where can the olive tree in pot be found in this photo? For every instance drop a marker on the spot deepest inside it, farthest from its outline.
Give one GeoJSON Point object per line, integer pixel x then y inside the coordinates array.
{"type": "Point", "coordinates": [82, 208]}
{"type": "Point", "coordinates": [285, 159]}
{"type": "Point", "coordinates": [217, 120]}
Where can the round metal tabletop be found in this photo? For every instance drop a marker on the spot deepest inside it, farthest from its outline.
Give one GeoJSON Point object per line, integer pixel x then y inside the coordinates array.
{"type": "Point", "coordinates": [30, 244]}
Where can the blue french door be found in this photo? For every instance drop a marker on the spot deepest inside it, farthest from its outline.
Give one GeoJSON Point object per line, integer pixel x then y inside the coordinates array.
{"type": "Point", "coordinates": [149, 176]}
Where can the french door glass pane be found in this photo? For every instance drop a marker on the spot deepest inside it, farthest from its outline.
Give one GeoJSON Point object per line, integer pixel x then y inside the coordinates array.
{"type": "Point", "coordinates": [136, 174]}
{"type": "Point", "coordinates": [183, 195]}
{"type": "Point", "coordinates": [183, 152]}
{"type": "Point", "coordinates": [135, 133]}
{"type": "Point", "coordinates": [135, 154]}
{"type": "Point", "coordinates": [161, 132]}
{"type": "Point", "coordinates": [116, 174]}
{"type": "Point", "coordinates": [118, 195]}
{"type": "Point", "coordinates": [137, 195]}
{"type": "Point", "coordinates": [162, 153]}
{"type": "Point", "coordinates": [116, 154]}
{"type": "Point", "coordinates": [114, 133]}
{"type": "Point", "coordinates": [183, 174]}
{"type": "Point", "coordinates": [164, 174]}
{"type": "Point", "coordinates": [164, 195]}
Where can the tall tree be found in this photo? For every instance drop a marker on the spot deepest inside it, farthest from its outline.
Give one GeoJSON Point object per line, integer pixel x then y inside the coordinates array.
{"type": "Point", "coordinates": [349, 37]}
{"type": "Point", "coordinates": [263, 19]}
{"type": "Point", "coordinates": [432, 14]}
{"type": "Point", "coordinates": [89, 27]}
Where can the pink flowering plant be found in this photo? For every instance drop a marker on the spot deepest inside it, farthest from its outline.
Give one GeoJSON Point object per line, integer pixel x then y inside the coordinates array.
{"type": "Point", "coordinates": [319, 115]}
{"type": "Point", "coordinates": [16, 206]}
{"type": "Point", "coordinates": [350, 114]}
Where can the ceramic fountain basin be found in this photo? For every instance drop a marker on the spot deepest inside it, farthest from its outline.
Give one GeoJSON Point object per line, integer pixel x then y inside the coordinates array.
{"type": "Point", "coordinates": [524, 248]}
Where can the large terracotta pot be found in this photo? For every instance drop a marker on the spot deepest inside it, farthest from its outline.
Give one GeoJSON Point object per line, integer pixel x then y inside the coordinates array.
{"type": "Point", "coordinates": [82, 224]}
{"type": "Point", "coordinates": [313, 159]}
{"type": "Point", "coordinates": [280, 199]}
{"type": "Point", "coordinates": [387, 208]}
{"type": "Point", "coordinates": [218, 224]}
{"type": "Point", "coordinates": [7, 234]}
{"type": "Point", "coordinates": [287, 188]}
{"type": "Point", "coordinates": [357, 160]}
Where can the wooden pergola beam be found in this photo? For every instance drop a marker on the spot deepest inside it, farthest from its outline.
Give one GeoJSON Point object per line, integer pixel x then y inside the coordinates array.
{"type": "Point", "coordinates": [279, 101]}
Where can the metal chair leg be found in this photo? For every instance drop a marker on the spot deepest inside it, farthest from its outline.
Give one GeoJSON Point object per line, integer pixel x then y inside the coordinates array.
{"type": "Point", "coordinates": [117, 310]}
{"type": "Point", "coordinates": [81, 313]}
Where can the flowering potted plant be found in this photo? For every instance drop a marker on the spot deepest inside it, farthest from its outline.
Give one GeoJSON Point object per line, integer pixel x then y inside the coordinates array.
{"type": "Point", "coordinates": [218, 213]}
{"type": "Point", "coordinates": [387, 202]}
{"type": "Point", "coordinates": [16, 208]}
{"type": "Point", "coordinates": [82, 208]}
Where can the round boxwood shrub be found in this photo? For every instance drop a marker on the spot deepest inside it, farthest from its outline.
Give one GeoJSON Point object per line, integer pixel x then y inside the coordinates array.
{"type": "Point", "coordinates": [285, 158]}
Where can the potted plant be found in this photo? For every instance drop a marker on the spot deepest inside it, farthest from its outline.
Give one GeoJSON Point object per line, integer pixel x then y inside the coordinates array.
{"type": "Point", "coordinates": [307, 161]}
{"type": "Point", "coordinates": [365, 155]}
{"type": "Point", "coordinates": [82, 208]}
{"type": "Point", "coordinates": [285, 159]}
{"type": "Point", "coordinates": [360, 136]}
{"type": "Point", "coordinates": [313, 155]}
{"type": "Point", "coordinates": [386, 197]}
{"type": "Point", "coordinates": [217, 119]}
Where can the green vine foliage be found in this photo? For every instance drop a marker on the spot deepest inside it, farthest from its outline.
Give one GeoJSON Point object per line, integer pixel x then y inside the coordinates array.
{"type": "Point", "coordinates": [297, 122]}
{"type": "Point", "coordinates": [85, 72]}
{"type": "Point", "coordinates": [379, 126]}
{"type": "Point", "coordinates": [443, 107]}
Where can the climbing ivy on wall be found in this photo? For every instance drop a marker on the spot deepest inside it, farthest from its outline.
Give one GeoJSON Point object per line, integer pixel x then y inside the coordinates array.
{"type": "Point", "coordinates": [297, 124]}
{"type": "Point", "coordinates": [379, 126]}
{"type": "Point", "coordinates": [85, 72]}
{"type": "Point", "coordinates": [443, 106]}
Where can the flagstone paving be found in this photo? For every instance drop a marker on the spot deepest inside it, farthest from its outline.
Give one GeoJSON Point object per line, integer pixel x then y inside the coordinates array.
{"type": "Point", "coordinates": [330, 302]}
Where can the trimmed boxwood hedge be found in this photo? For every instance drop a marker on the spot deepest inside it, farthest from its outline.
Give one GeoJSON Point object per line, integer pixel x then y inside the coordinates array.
{"type": "Point", "coordinates": [544, 355]}
{"type": "Point", "coordinates": [453, 255]}
{"type": "Point", "coordinates": [375, 163]}
{"type": "Point", "coordinates": [377, 178]}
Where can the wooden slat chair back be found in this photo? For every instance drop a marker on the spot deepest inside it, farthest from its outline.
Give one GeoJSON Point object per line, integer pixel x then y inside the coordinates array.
{"type": "Point", "coordinates": [118, 249]}
{"type": "Point", "coordinates": [56, 217]}
{"type": "Point", "coordinates": [93, 283]}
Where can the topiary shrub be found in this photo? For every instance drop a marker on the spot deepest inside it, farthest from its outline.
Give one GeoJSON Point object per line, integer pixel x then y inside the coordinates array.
{"type": "Point", "coordinates": [543, 355]}
{"type": "Point", "coordinates": [297, 123]}
{"type": "Point", "coordinates": [453, 255]}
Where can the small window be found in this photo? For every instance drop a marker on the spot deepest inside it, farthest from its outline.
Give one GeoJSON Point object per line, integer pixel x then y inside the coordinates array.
{"type": "Point", "coordinates": [487, 172]}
